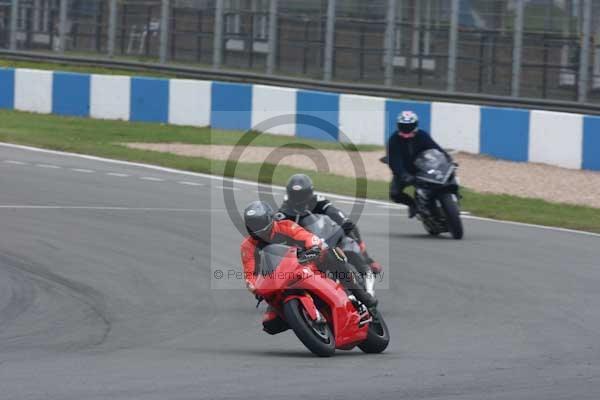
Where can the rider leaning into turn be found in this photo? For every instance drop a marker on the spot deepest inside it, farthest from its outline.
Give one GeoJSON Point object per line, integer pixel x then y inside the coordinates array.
{"type": "Point", "coordinates": [403, 148]}
{"type": "Point", "coordinates": [263, 230]}
{"type": "Point", "coordinates": [301, 199]}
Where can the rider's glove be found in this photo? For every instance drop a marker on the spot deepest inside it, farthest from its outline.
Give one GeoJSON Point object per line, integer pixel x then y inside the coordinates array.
{"type": "Point", "coordinates": [309, 255]}
{"type": "Point", "coordinates": [348, 226]}
{"type": "Point", "coordinates": [408, 179]}
{"type": "Point", "coordinates": [316, 250]}
{"type": "Point", "coordinates": [250, 286]}
{"type": "Point", "coordinates": [322, 244]}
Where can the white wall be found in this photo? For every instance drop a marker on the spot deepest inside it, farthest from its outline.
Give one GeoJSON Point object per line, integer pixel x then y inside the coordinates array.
{"type": "Point", "coordinates": [362, 119]}
{"type": "Point", "coordinates": [556, 138]}
{"type": "Point", "coordinates": [456, 126]}
{"type": "Point", "coordinates": [189, 102]}
{"type": "Point", "coordinates": [269, 102]}
{"type": "Point", "coordinates": [33, 90]}
{"type": "Point", "coordinates": [110, 97]}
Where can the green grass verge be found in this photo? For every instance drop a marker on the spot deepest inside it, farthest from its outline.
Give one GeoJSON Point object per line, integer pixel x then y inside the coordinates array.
{"type": "Point", "coordinates": [102, 138]}
{"type": "Point", "coordinates": [73, 133]}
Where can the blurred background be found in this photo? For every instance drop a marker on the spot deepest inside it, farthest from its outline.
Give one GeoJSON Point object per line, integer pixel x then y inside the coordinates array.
{"type": "Point", "coordinates": [544, 49]}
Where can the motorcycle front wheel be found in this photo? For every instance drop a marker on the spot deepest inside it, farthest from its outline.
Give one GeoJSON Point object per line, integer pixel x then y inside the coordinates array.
{"type": "Point", "coordinates": [316, 336]}
{"type": "Point", "coordinates": [452, 213]}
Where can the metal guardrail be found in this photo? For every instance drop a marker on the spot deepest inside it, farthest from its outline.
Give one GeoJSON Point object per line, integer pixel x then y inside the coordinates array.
{"type": "Point", "coordinates": [310, 84]}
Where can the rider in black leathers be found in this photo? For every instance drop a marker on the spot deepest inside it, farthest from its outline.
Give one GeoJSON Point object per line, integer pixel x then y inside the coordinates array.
{"type": "Point", "coordinates": [403, 148]}
{"type": "Point", "coordinates": [301, 199]}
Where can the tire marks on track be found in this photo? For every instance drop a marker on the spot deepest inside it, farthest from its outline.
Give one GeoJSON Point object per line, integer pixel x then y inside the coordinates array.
{"type": "Point", "coordinates": [29, 279]}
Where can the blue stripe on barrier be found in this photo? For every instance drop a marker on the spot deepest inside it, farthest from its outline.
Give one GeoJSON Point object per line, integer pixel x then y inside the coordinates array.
{"type": "Point", "coordinates": [7, 88]}
{"type": "Point", "coordinates": [71, 94]}
{"type": "Point", "coordinates": [504, 133]}
{"type": "Point", "coordinates": [395, 107]}
{"type": "Point", "coordinates": [149, 99]}
{"type": "Point", "coordinates": [591, 143]}
{"type": "Point", "coordinates": [231, 106]}
{"type": "Point", "coordinates": [317, 115]}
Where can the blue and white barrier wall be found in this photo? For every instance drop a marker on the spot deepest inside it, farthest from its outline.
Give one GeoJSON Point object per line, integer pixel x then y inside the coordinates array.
{"type": "Point", "coordinates": [562, 139]}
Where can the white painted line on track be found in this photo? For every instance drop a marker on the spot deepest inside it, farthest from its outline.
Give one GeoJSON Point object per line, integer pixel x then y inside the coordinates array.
{"type": "Point", "coordinates": [392, 207]}
{"type": "Point", "coordinates": [235, 189]}
{"type": "Point", "coordinates": [15, 162]}
{"type": "Point", "coordinates": [250, 183]}
{"type": "Point", "coordinates": [152, 179]}
{"type": "Point", "coordinates": [83, 170]}
{"type": "Point", "coordinates": [267, 192]}
{"type": "Point", "coordinates": [190, 183]}
{"type": "Point", "coordinates": [357, 201]}
{"type": "Point", "coordinates": [278, 189]}
{"type": "Point", "coordinates": [523, 224]}
{"type": "Point", "coordinates": [117, 174]}
{"type": "Point", "coordinates": [49, 166]}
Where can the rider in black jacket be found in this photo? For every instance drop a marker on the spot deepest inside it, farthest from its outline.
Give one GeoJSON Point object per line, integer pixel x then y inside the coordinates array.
{"type": "Point", "coordinates": [403, 148]}
{"type": "Point", "coordinates": [301, 199]}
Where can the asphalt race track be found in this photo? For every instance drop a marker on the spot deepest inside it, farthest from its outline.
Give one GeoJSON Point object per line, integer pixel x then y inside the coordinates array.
{"type": "Point", "coordinates": [107, 292]}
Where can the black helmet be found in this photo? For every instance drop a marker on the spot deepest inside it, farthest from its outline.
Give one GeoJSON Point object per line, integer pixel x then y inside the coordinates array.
{"type": "Point", "coordinates": [258, 217]}
{"type": "Point", "coordinates": [407, 122]}
{"type": "Point", "coordinates": [300, 192]}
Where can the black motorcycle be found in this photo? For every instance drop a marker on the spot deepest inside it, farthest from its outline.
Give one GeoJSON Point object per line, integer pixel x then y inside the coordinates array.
{"type": "Point", "coordinates": [437, 194]}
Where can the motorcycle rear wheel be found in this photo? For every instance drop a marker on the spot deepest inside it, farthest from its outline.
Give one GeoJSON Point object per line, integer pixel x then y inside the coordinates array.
{"type": "Point", "coordinates": [318, 339]}
{"type": "Point", "coordinates": [452, 212]}
{"type": "Point", "coordinates": [378, 336]}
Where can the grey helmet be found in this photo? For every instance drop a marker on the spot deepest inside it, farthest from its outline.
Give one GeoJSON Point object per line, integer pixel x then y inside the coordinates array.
{"type": "Point", "coordinates": [258, 218]}
{"type": "Point", "coordinates": [300, 193]}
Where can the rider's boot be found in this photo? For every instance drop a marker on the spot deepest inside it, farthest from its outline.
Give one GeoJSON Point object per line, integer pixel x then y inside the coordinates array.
{"type": "Point", "coordinates": [356, 287]}
{"type": "Point", "coordinates": [375, 267]}
{"type": "Point", "coordinates": [365, 297]}
{"type": "Point", "coordinates": [352, 280]}
{"type": "Point", "coordinates": [412, 210]}
{"type": "Point", "coordinates": [272, 323]}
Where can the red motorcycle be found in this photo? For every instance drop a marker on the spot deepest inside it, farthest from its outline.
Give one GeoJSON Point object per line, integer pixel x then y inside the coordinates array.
{"type": "Point", "coordinates": [319, 309]}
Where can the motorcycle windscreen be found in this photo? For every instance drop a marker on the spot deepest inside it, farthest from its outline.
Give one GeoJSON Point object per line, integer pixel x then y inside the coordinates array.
{"type": "Point", "coordinates": [272, 257]}
{"type": "Point", "coordinates": [324, 227]}
{"type": "Point", "coordinates": [432, 166]}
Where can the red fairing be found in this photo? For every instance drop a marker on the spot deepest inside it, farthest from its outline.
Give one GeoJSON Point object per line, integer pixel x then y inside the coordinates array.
{"type": "Point", "coordinates": [307, 302]}
{"type": "Point", "coordinates": [288, 272]}
{"type": "Point", "coordinates": [307, 284]}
